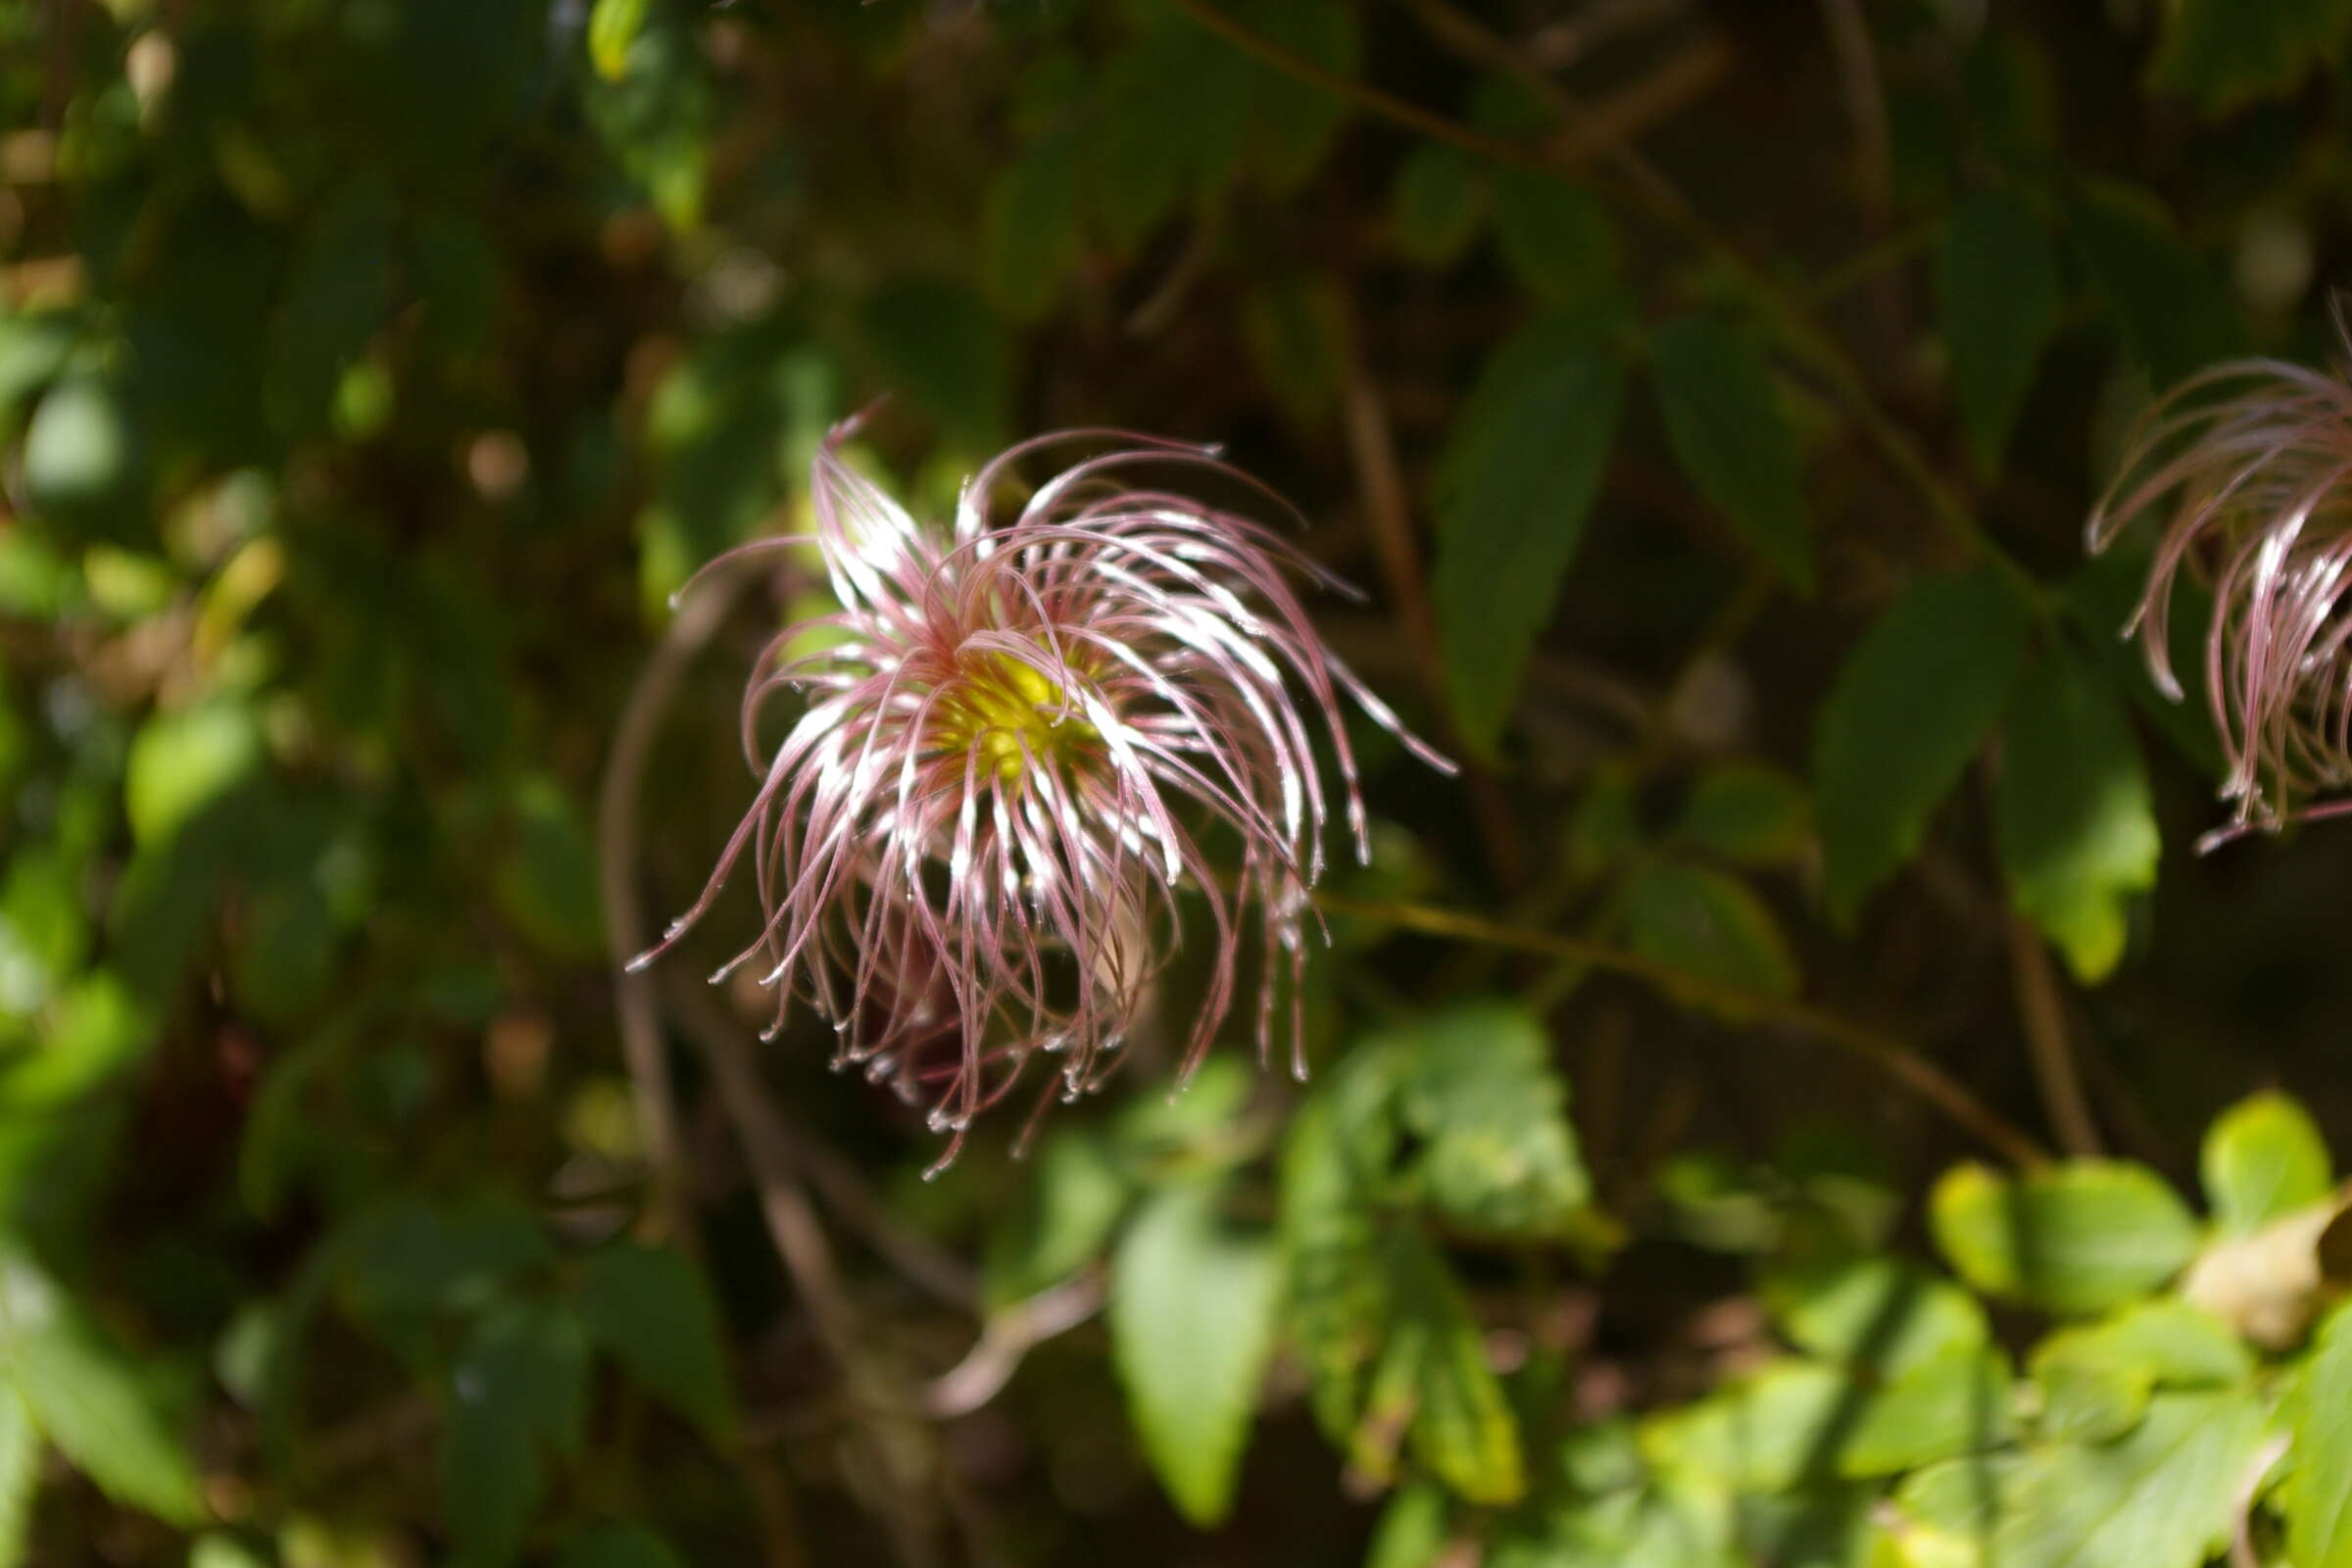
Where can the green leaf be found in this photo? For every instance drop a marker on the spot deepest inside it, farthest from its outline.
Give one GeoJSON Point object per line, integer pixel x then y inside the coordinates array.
{"type": "Point", "coordinates": [1412, 1532]}
{"type": "Point", "coordinates": [2225, 54]}
{"type": "Point", "coordinates": [1555, 237]}
{"type": "Point", "coordinates": [546, 875]}
{"type": "Point", "coordinates": [1192, 1312]}
{"type": "Point", "coordinates": [617, 1546]}
{"type": "Point", "coordinates": [2076, 1237]}
{"type": "Point", "coordinates": [285, 957]}
{"type": "Point", "coordinates": [1433, 1373]}
{"type": "Point", "coordinates": [1878, 1315]}
{"type": "Point", "coordinates": [1478, 1088]}
{"type": "Point", "coordinates": [1292, 126]}
{"type": "Point", "coordinates": [184, 760]}
{"type": "Point", "coordinates": [1724, 423]}
{"type": "Point", "coordinates": [2073, 813]}
{"type": "Point", "coordinates": [2160, 1498]}
{"type": "Point", "coordinates": [1997, 299]}
{"type": "Point", "coordinates": [1074, 1196]}
{"type": "Point", "coordinates": [1389, 1346]}
{"type": "Point", "coordinates": [649, 1309]}
{"type": "Point", "coordinates": [1292, 328]}
{"type": "Point", "coordinates": [219, 1549]}
{"type": "Point", "coordinates": [1672, 1525]}
{"type": "Point", "coordinates": [1917, 696]}
{"type": "Point", "coordinates": [81, 457]}
{"type": "Point", "coordinates": [2163, 1495]}
{"type": "Point", "coordinates": [2316, 1494]}
{"type": "Point", "coordinates": [88, 1397]}
{"type": "Point", "coordinates": [1335, 1160]}
{"type": "Point", "coordinates": [1437, 205]}
{"type": "Point", "coordinates": [532, 1357]}
{"type": "Point", "coordinates": [1171, 115]}
{"type": "Point", "coordinates": [1748, 812]}
{"type": "Point", "coordinates": [611, 27]}
{"type": "Point", "coordinates": [334, 299]}
{"type": "Point", "coordinates": [1799, 1420]}
{"type": "Point", "coordinates": [939, 345]}
{"type": "Point", "coordinates": [493, 1476]}
{"type": "Point", "coordinates": [2096, 1380]}
{"type": "Point", "coordinates": [2102, 598]}
{"type": "Point", "coordinates": [1710, 926]}
{"type": "Point", "coordinates": [405, 1263]}
{"type": "Point", "coordinates": [1512, 492]}
{"type": "Point", "coordinates": [2174, 316]}
{"type": "Point", "coordinates": [1030, 236]}
{"type": "Point", "coordinates": [2263, 1159]}
{"type": "Point", "coordinates": [20, 1477]}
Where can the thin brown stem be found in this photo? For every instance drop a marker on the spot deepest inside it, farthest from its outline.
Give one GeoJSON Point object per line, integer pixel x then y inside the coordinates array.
{"type": "Point", "coordinates": [1887, 1053]}
{"type": "Point", "coordinates": [617, 817]}
{"type": "Point", "coordinates": [792, 1222]}
{"type": "Point", "coordinates": [837, 1183]}
{"type": "Point", "coordinates": [2041, 1009]}
{"type": "Point", "coordinates": [1864, 93]}
{"type": "Point", "coordinates": [1006, 1340]}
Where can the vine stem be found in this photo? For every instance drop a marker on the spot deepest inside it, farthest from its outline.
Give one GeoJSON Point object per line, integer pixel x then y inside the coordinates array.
{"type": "Point", "coordinates": [1889, 1053]}
{"type": "Point", "coordinates": [1605, 140]}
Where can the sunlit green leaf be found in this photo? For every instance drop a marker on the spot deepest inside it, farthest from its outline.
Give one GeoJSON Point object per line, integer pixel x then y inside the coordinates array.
{"type": "Point", "coordinates": [1879, 1314]}
{"type": "Point", "coordinates": [1432, 1380]}
{"type": "Point", "coordinates": [611, 27]}
{"type": "Point", "coordinates": [2263, 1159]}
{"type": "Point", "coordinates": [20, 1477]}
{"type": "Point", "coordinates": [1412, 1532]}
{"type": "Point", "coordinates": [2163, 1495]}
{"type": "Point", "coordinates": [1477, 1088]}
{"type": "Point", "coordinates": [185, 759]}
{"type": "Point", "coordinates": [2076, 1237]}
{"type": "Point", "coordinates": [2096, 1379]}
{"type": "Point", "coordinates": [1192, 1312]}
{"type": "Point", "coordinates": [2316, 1494]}
{"type": "Point", "coordinates": [88, 1397]}
{"type": "Point", "coordinates": [1073, 1193]}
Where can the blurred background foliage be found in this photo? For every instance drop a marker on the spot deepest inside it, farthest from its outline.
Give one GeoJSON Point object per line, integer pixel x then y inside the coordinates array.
{"type": "Point", "coordinates": [1709, 393]}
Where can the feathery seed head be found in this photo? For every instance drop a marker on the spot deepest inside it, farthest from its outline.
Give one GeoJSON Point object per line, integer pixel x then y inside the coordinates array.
{"type": "Point", "coordinates": [969, 845]}
{"type": "Point", "coordinates": [2245, 466]}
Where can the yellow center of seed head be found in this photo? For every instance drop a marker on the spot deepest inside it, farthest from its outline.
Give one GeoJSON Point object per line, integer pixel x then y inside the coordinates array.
{"type": "Point", "coordinates": [1002, 706]}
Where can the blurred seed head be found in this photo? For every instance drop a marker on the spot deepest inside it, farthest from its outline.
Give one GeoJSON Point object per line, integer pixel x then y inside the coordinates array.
{"type": "Point", "coordinates": [2241, 472]}
{"type": "Point", "coordinates": [969, 847]}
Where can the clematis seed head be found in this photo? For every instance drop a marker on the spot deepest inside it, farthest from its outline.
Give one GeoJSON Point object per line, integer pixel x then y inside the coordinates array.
{"type": "Point", "coordinates": [970, 845]}
{"type": "Point", "coordinates": [2242, 469]}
